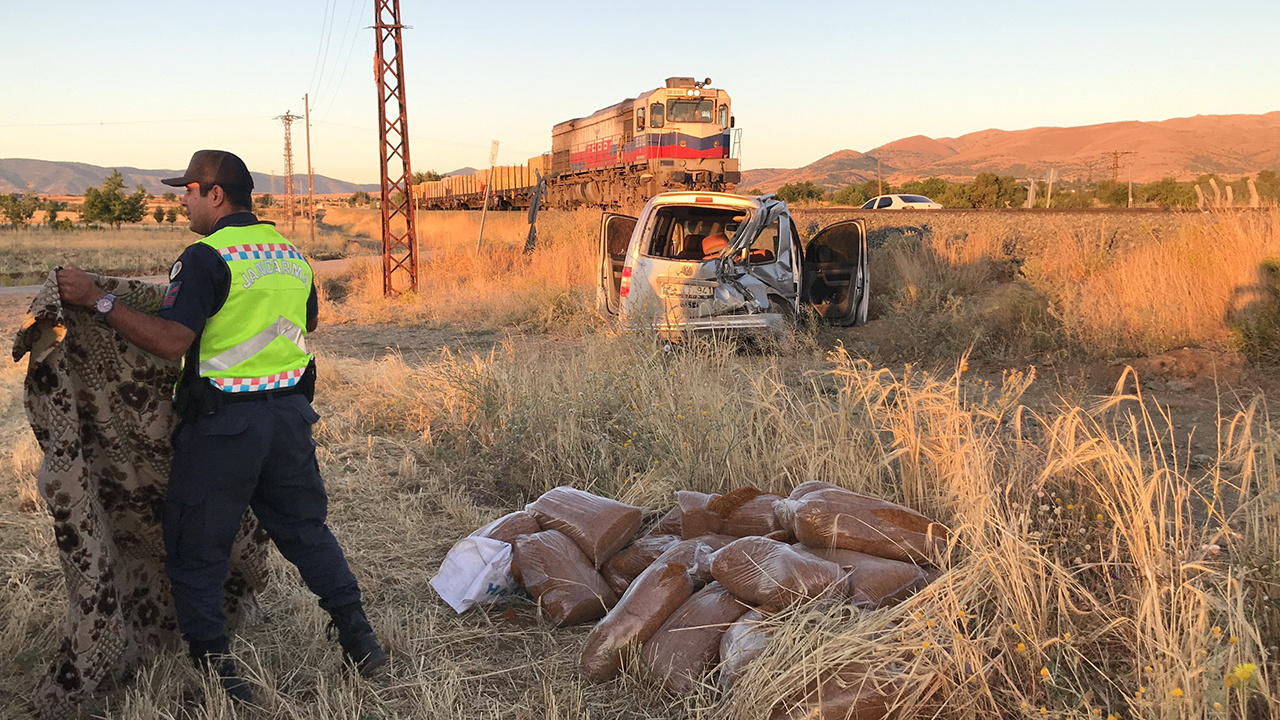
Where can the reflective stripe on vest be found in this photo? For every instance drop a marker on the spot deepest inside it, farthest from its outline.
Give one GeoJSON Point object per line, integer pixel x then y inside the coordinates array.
{"type": "Point", "coordinates": [257, 341]}
{"type": "Point", "coordinates": [229, 358]}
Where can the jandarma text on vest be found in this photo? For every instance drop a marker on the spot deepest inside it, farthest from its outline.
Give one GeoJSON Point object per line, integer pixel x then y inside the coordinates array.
{"type": "Point", "coordinates": [274, 267]}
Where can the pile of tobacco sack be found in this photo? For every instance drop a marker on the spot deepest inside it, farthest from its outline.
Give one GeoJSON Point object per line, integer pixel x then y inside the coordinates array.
{"type": "Point", "coordinates": [690, 593]}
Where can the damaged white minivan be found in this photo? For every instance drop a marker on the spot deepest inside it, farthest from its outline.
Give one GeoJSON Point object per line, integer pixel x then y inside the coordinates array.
{"type": "Point", "coordinates": [705, 263]}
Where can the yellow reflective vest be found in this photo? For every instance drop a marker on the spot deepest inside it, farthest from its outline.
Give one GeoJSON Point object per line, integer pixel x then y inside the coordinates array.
{"type": "Point", "coordinates": [257, 339]}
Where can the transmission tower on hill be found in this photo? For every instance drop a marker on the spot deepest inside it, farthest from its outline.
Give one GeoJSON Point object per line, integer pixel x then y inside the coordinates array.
{"type": "Point", "coordinates": [287, 118]}
{"type": "Point", "coordinates": [1115, 162]}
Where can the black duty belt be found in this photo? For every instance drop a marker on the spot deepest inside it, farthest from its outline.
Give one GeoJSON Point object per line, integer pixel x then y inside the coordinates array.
{"type": "Point", "coordinates": [240, 397]}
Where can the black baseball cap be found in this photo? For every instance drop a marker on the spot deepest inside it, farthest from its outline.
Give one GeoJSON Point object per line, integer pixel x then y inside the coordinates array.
{"type": "Point", "coordinates": [215, 167]}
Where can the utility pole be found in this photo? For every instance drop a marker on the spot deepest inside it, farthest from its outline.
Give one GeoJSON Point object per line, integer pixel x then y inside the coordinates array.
{"type": "Point", "coordinates": [399, 236]}
{"type": "Point", "coordinates": [488, 187]}
{"type": "Point", "coordinates": [1048, 198]}
{"type": "Point", "coordinates": [879, 183]}
{"type": "Point", "coordinates": [287, 118]}
{"type": "Point", "coordinates": [1130, 183]}
{"type": "Point", "coordinates": [311, 184]}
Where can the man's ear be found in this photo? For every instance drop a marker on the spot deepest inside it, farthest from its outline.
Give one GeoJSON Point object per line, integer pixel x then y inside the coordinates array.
{"type": "Point", "coordinates": [217, 195]}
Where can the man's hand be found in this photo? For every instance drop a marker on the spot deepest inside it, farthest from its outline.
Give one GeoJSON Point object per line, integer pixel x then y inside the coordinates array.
{"type": "Point", "coordinates": [76, 288]}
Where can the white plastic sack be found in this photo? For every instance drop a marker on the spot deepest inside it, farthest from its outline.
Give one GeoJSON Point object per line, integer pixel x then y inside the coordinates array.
{"type": "Point", "coordinates": [476, 570]}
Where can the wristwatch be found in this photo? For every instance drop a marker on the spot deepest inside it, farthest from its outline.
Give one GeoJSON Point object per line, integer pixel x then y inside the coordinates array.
{"type": "Point", "coordinates": [104, 305]}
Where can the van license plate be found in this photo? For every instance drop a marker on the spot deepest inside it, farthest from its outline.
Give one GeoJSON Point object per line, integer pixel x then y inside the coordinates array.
{"type": "Point", "coordinates": [685, 290]}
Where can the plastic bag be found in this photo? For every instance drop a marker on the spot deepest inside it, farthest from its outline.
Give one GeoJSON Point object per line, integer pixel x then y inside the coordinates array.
{"type": "Point", "coordinates": [668, 524]}
{"type": "Point", "coordinates": [695, 554]}
{"type": "Point", "coordinates": [509, 527]}
{"type": "Point", "coordinates": [695, 519]}
{"type": "Point", "coordinates": [772, 574]}
{"type": "Point", "coordinates": [809, 486]}
{"type": "Point", "coordinates": [558, 574]}
{"type": "Point", "coordinates": [747, 513]}
{"type": "Point", "coordinates": [874, 581]}
{"type": "Point", "coordinates": [742, 642]}
{"type": "Point", "coordinates": [688, 643]}
{"type": "Point", "coordinates": [846, 693]}
{"type": "Point", "coordinates": [627, 565]}
{"type": "Point", "coordinates": [476, 570]}
{"type": "Point", "coordinates": [652, 597]}
{"type": "Point", "coordinates": [836, 518]}
{"type": "Point", "coordinates": [599, 526]}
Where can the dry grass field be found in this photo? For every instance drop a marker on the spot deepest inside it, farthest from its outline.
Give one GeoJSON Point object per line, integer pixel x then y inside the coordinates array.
{"type": "Point", "coordinates": [1097, 567]}
{"type": "Point", "coordinates": [139, 250]}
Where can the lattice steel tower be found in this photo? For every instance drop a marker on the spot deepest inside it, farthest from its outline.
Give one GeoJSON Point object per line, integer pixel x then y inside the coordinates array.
{"type": "Point", "coordinates": [399, 236]}
{"type": "Point", "coordinates": [287, 118]}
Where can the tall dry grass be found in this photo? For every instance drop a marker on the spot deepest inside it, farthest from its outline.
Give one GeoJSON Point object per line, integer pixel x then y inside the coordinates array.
{"type": "Point", "coordinates": [132, 251]}
{"type": "Point", "coordinates": [493, 285]}
{"type": "Point", "coordinates": [1185, 289]}
{"type": "Point", "coordinates": [1202, 282]}
{"type": "Point", "coordinates": [1082, 548]}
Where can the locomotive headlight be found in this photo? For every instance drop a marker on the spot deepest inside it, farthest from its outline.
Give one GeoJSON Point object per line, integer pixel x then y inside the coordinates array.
{"type": "Point", "coordinates": [689, 93]}
{"type": "Point", "coordinates": [697, 93]}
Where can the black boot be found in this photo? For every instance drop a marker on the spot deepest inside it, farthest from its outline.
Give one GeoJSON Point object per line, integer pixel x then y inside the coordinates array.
{"type": "Point", "coordinates": [355, 635]}
{"type": "Point", "coordinates": [215, 654]}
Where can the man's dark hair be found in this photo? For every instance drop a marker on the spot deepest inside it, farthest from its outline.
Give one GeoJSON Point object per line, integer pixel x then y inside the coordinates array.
{"type": "Point", "coordinates": [238, 198]}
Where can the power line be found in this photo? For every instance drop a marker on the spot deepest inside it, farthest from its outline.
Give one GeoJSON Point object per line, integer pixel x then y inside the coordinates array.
{"type": "Point", "coordinates": [131, 122]}
{"type": "Point", "coordinates": [315, 67]}
{"type": "Point", "coordinates": [351, 29]}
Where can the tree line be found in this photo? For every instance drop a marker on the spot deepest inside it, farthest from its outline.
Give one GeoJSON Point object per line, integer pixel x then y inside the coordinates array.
{"type": "Point", "coordinates": [989, 190]}
{"type": "Point", "coordinates": [108, 204]}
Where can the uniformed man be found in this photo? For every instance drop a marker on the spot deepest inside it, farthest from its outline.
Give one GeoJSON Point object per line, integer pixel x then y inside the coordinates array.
{"type": "Point", "coordinates": [239, 306]}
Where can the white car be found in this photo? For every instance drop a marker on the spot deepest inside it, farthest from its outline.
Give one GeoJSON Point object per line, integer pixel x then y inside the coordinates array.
{"type": "Point", "coordinates": [900, 202]}
{"type": "Point", "coordinates": [705, 262]}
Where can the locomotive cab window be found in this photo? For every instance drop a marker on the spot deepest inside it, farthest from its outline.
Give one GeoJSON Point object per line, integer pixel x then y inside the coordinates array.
{"type": "Point", "coordinates": [692, 233]}
{"type": "Point", "coordinates": [691, 110]}
{"type": "Point", "coordinates": [724, 116]}
{"type": "Point", "coordinates": [656, 117]}
{"type": "Point", "coordinates": [640, 119]}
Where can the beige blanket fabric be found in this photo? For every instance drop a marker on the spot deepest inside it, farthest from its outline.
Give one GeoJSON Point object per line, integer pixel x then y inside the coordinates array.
{"type": "Point", "coordinates": [101, 412]}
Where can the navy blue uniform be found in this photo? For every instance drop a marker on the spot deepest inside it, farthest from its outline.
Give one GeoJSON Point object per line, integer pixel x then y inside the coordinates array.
{"type": "Point", "coordinates": [256, 452]}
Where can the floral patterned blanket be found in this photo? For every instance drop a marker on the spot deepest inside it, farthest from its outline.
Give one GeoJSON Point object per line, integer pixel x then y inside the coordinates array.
{"type": "Point", "coordinates": [101, 411]}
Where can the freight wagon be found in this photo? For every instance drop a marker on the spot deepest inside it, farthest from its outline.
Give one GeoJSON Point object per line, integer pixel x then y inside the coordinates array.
{"type": "Point", "coordinates": [677, 137]}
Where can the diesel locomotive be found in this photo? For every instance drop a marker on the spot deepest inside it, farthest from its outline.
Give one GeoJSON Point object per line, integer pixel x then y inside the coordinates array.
{"type": "Point", "coordinates": [676, 137]}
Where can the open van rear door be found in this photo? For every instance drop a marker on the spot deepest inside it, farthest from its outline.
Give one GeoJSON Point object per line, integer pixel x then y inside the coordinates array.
{"type": "Point", "coordinates": [835, 273]}
{"type": "Point", "coordinates": [615, 236]}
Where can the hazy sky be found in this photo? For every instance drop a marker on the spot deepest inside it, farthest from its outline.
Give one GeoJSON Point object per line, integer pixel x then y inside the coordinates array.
{"type": "Point", "coordinates": [143, 84]}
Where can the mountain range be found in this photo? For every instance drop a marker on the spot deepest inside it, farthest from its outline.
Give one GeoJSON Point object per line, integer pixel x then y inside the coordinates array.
{"type": "Point", "coordinates": [1181, 148]}
{"type": "Point", "coordinates": [71, 178]}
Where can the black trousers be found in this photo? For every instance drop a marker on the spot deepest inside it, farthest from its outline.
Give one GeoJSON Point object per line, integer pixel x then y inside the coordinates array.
{"type": "Point", "coordinates": [256, 455]}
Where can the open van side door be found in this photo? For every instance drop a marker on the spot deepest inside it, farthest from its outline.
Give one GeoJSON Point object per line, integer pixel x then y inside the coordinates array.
{"type": "Point", "coordinates": [834, 273]}
{"type": "Point", "coordinates": [615, 236]}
